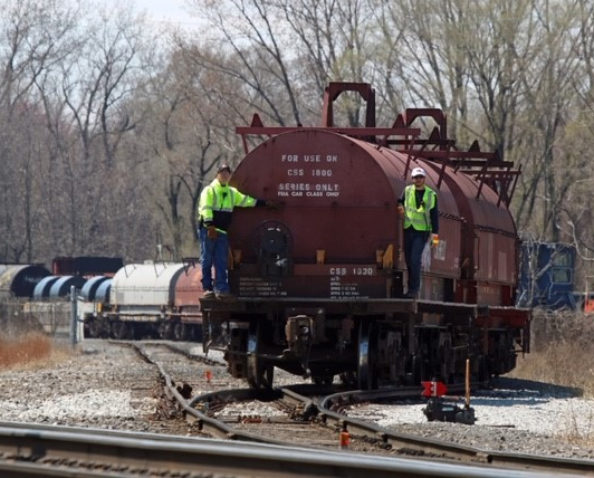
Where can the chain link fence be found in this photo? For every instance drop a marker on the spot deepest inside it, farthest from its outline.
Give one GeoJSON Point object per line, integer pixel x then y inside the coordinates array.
{"type": "Point", "coordinates": [19, 317]}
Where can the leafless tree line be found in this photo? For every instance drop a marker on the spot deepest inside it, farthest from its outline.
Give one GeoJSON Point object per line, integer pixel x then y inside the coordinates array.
{"type": "Point", "coordinates": [109, 127]}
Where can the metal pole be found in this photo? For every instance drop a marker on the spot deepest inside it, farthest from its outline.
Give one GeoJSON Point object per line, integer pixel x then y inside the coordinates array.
{"type": "Point", "coordinates": [73, 318]}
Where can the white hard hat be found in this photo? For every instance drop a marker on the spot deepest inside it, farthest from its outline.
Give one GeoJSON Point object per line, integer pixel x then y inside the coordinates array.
{"type": "Point", "coordinates": [418, 172]}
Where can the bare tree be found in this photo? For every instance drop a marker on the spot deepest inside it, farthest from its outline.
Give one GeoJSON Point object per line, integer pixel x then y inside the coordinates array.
{"type": "Point", "coordinates": [33, 39]}
{"type": "Point", "coordinates": [86, 107]}
{"type": "Point", "coordinates": [507, 72]}
{"type": "Point", "coordinates": [549, 95]}
{"type": "Point", "coordinates": [284, 53]}
{"type": "Point", "coordinates": [576, 216]}
{"type": "Point", "coordinates": [427, 64]}
{"type": "Point", "coordinates": [332, 41]}
{"type": "Point", "coordinates": [186, 135]}
{"type": "Point", "coordinates": [106, 148]}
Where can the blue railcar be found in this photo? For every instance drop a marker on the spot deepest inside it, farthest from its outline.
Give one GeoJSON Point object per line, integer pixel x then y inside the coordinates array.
{"type": "Point", "coordinates": [547, 275]}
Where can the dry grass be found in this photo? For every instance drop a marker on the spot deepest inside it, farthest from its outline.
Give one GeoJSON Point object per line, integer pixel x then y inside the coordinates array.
{"type": "Point", "coordinates": [562, 351]}
{"type": "Point", "coordinates": [573, 433]}
{"type": "Point", "coordinates": [32, 350]}
{"type": "Point", "coordinates": [563, 354]}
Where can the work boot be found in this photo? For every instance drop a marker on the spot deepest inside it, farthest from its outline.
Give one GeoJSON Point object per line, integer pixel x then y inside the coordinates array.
{"type": "Point", "coordinates": [225, 296]}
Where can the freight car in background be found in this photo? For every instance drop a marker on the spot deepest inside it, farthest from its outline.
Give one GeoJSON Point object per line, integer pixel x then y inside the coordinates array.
{"type": "Point", "coordinates": [548, 278]}
{"type": "Point", "coordinates": [22, 281]}
{"type": "Point", "coordinates": [153, 299]}
{"type": "Point", "coordinates": [86, 266]}
{"type": "Point", "coordinates": [30, 293]}
{"type": "Point", "coordinates": [320, 283]}
{"type": "Point", "coordinates": [149, 300]}
{"type": "Point", "coordinates": [19, 280]}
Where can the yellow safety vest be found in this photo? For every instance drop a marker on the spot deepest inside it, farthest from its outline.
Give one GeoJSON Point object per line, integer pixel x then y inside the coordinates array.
{"type": "Point", "coordinates": [217, 202]}
{"type": "Point", "coordinates": [418, 215]}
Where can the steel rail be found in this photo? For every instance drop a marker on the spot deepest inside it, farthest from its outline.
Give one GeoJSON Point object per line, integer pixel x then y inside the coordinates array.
{"type": "Point", "coordinates": [198, 358]}
{"type": "Point", "coordinates": [204, 422]}
{"type": "Point", "coordinates": [414, 444]}
{"type": "Point", "coordinates": [35, 470]}
{"type": "Point", "coordinates": [144, 453]}
{"type": "Point", "coordinates": [404, 443]}
{"type": "Point", "coordinates": [212, 426]}
{"type": "Point", "coordinates": [19, 469]}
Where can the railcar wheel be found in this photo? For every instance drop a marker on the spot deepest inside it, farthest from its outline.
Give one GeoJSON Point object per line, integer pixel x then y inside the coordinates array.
{"type": "Point", "coordinates": [323, 379]}
{"type": "Point", "coordinates": [418, 369]}
{"type": "Point", "coordinates": [196, 333]}
{"type": "Point", "coordinates": [236, 355]}
{"type": "Point", "coordinates": [483, 369]}
{"type": "Point", "coordinates": [180, 331]}
{"type": "Point", "coordinates": [96, 328]}
{"type": "Point", "coordinates": [120, 330]}
{"type": "Point", "coordinates": [366, 373]}
{"type": "Point", "coordinates": [446, 355]}
{"type": "Point", "coordinates": [164, 330]}
{"type": "Point", "coordinates": [349, 379]}
{"type": "Point", "coordinates": [260, 373]}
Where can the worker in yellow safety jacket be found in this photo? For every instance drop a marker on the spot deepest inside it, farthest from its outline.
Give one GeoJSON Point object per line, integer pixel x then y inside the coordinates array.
{"type": "Point", "coordinates": [418, 207]}
{"type": "Point", "coordinates": [215, 209]}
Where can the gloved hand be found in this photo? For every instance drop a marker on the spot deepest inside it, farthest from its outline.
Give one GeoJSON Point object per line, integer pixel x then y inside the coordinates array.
{"type": "Point", "coordinates": [212, 232]}
{"type": "Point", "coordinates": [434, 240]}
{"type": "Point", "coordinates": [272, 205]}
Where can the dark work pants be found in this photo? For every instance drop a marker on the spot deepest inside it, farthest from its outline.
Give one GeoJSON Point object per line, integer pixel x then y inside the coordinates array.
{"type": "Point", "coordinates": [414, 243]}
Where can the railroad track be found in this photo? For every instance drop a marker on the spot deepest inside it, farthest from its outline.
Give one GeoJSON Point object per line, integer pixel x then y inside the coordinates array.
{"type": "Point", "coordinates": [312, 408]}
{"type": "Point", "coordinates": [28, 450]}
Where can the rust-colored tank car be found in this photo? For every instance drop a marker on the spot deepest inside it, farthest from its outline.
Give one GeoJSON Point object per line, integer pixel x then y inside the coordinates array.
{"type": "Point", "coordinates": [188, 314]}
{"type": "Point", "coordinates": [319, 283]}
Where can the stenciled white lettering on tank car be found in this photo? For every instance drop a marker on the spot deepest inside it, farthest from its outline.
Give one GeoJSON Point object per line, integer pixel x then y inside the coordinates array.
{"type": "Point", "coordinates": [343, 289]}
{"type": "Point", "coordinates": [353, 271]}
{"type": "Point", "coordinates": [257, 287]}
{"type": "Point", "coordinates": [309, 189]}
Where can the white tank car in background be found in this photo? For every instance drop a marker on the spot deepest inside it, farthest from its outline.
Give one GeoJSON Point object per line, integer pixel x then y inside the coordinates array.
{"type": "Point", "coordinates": [149, 300]}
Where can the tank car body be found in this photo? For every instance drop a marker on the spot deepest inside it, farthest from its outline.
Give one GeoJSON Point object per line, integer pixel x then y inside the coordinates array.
{"type": "Point", "coordinates": [188, 290]}
{"type": "Point", "coordinates": [19, 280]}
{"type": "Point", "coordinates": [89, 291]}
{"type": "Point", "coordinates": [61, 288]}
{"type": "Point", "coordinates": [140, 297]}
{"type": "Point", "coordinates": [153, 299]}
{"type": "Point", "coordinates": [319, 283]}
{"type": "Point", "coordinates": [43, 287]}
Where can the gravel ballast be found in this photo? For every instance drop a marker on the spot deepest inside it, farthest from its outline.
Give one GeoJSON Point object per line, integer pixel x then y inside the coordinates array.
{"type": "Point", "coordinates": [107, 385]}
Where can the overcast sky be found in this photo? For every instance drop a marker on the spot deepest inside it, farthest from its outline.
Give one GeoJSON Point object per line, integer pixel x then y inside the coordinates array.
{"type": "Point", "coordinates": [166, 11]}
